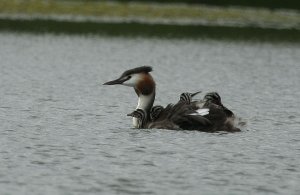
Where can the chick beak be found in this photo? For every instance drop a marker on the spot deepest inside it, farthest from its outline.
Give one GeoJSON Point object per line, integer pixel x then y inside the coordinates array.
{"type": "Point", "coordinates": [131, 114]}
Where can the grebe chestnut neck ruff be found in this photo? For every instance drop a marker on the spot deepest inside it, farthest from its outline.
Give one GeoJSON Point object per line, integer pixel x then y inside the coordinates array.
{"type": "Point", "coordinates": [143, 84]}
{"type": "Point", "coordinates": [208, 114]}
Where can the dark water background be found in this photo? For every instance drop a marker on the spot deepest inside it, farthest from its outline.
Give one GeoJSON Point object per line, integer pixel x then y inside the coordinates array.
{"type": "Point", "coordinates": [62, 132]}
{"type": "Point", "coordinates": [64, 25]}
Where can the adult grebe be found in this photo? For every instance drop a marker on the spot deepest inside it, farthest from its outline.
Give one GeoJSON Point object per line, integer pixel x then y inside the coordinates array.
{"type": "Point", "coordinates": [207, 115]}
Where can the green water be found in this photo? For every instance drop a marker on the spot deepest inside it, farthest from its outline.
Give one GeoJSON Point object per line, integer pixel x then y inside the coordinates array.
{"type": "Point", "coordinates": [133, 29]}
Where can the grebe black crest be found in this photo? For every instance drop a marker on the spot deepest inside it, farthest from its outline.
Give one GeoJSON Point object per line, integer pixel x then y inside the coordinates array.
{"type": "Point", "coordinates": [208, 114]}
{"type": "Point", "coordinates": [142, 69]}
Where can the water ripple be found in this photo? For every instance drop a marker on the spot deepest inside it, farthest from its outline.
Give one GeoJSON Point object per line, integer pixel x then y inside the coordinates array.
{"type": "Point", "coordinates": [62, 133]}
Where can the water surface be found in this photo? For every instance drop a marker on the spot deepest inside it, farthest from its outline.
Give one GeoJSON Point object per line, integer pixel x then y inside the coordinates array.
{"type": "Point", "coordinates": [62, 132]}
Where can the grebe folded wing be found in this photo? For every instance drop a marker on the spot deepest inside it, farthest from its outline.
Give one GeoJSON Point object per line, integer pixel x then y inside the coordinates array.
{"type": "Point", "coordinates": [184, 116]}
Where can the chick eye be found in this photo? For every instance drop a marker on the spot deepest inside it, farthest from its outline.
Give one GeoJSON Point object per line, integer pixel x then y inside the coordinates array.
{"type": "Point", "coordinates": [129, 77]}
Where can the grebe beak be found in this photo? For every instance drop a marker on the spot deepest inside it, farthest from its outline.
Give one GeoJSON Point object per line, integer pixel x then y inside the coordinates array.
{"type": "Point", "coordinates": [116, 82]}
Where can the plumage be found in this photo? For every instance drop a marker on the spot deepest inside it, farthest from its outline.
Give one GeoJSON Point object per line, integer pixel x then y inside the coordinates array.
{"type": "Point", "coordinates": [181, 116]}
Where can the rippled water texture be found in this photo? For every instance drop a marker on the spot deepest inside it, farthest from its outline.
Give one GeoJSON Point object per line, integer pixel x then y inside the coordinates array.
{"type": "Point", "coordinates": [62, 132]}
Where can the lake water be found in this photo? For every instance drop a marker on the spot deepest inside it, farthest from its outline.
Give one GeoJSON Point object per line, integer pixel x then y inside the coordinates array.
{"type": "Point", "coordinates": [63, 132]}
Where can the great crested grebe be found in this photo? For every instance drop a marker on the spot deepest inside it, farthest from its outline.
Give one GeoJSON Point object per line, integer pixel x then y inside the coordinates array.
{"type": "Point", "coordinates": [207, 115]}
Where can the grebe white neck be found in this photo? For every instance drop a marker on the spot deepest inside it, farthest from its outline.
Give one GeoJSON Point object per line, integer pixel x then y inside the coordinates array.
{"type": "Point", "coordinates": [145, 102]}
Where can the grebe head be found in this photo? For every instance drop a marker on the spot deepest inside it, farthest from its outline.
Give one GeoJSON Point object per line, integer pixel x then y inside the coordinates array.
{"type": "Point", "coordinates": [187, 97]}
{"type": "Point", "coordinates": [141, 116]}
{"type": "Point", "coordinates": [138, 78]}
{"type": "Point", "coordinates": [155, 112]}
{"type": "Point", "coordinates": [213, 97]}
